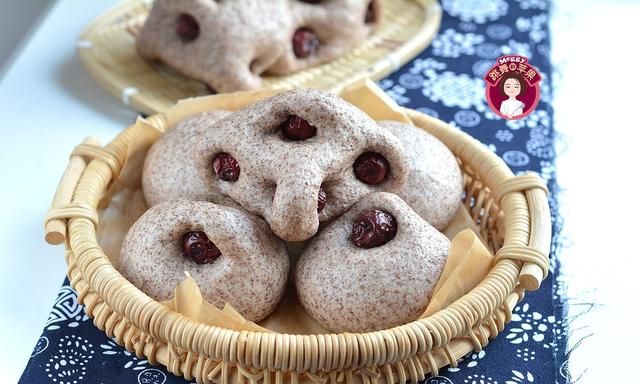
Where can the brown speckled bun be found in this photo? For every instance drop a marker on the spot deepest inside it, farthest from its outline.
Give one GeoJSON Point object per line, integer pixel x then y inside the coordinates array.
{"type": "Point", "coordinates": [340, 27]}
{"type": "Point", "coordinates": [168, 171]}
{"type": "Point", "coordinates": [434, 187]}
{"type": "Point", "coordinates": [351, 289]}
{"type": "Point", "coordinates": [279, 178]}
{"type": "Point", "coordinates": [251, 273]}
{"type": "Point", "coordinates": [237, 40]}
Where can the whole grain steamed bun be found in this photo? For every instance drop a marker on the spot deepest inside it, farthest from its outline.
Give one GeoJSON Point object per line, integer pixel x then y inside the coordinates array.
{"type": "Point", "coordinates": [226, 44]}
{"type": "Point", "coordinates": [168, 172]}
{"type": "Point", "coordinates": [229, 44]}
{"type": "Point", "coordinates": [375, 267]}
{"type": "Point", "coordinates": [325, 30]}
{"type": "Point", "coordinates": [434, 187]}
{"type": "Point", "coordinates": [232, 255]}
{"type": "Point", "coordinates": [296, 159]}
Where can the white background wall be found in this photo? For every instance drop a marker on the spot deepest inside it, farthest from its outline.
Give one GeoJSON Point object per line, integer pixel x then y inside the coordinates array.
{"type": "Point", "coordinates": [16, 20]}
{"type": "Point", "coordinates": [595, 110]}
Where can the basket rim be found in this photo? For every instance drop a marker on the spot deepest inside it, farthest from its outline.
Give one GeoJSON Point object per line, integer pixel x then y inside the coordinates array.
{"type": "Point", "coordinates": [430, 333]}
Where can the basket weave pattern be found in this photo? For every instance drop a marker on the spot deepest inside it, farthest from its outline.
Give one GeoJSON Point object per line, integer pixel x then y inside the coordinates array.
{"type": "Point", "coordinates": [511, 211]}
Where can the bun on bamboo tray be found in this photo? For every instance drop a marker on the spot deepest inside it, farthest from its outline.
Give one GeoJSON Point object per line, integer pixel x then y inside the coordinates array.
{"type": "Point", "coordinates": [375, 289]}
{"type": "Point", "coordinates": [151, 54]}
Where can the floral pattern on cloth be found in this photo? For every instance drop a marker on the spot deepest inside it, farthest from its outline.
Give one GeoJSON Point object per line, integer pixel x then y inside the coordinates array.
{"type": "Point", "coordinates": [444, 81]}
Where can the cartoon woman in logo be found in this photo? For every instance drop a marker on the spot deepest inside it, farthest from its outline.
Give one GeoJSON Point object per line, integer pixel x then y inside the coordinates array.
{"type": "Point", "coordinates": [512, 85]}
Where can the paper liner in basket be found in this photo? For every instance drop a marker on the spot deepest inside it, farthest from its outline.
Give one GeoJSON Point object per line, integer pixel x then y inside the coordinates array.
{"type": "Point", "coordinates": [188, 301]}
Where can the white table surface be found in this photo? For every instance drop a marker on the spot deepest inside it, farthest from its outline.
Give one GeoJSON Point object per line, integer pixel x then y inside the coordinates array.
{"type": "Point", "coordinates": [596, 116]}
{"type": "Point", "coordinates": [48, 104]}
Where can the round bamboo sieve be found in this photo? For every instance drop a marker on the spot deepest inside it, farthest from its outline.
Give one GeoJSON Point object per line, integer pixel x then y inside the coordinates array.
{"type": "Point", "coordinates": [511, 211]}
{"type": "Point", "coordinates": [107, 50]}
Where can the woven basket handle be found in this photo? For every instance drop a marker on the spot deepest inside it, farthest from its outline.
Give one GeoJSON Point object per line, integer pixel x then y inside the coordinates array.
{"type": "Point", "coordinates": [55, 223]}
{"type": "Point", "coordinates": [535, 254]}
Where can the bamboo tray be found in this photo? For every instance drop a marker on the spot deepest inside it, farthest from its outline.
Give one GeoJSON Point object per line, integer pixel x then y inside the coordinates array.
{"type": "Point", "coordinates": [512, 214]}
{"type": "Point", "coordinates": [107, 49]}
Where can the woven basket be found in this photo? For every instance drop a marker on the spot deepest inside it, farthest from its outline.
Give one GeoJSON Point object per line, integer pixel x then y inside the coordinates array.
{"type": "Point", "coordinates": [511, 211]}
{"type": "Point", "coordinates": [108, 51]}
